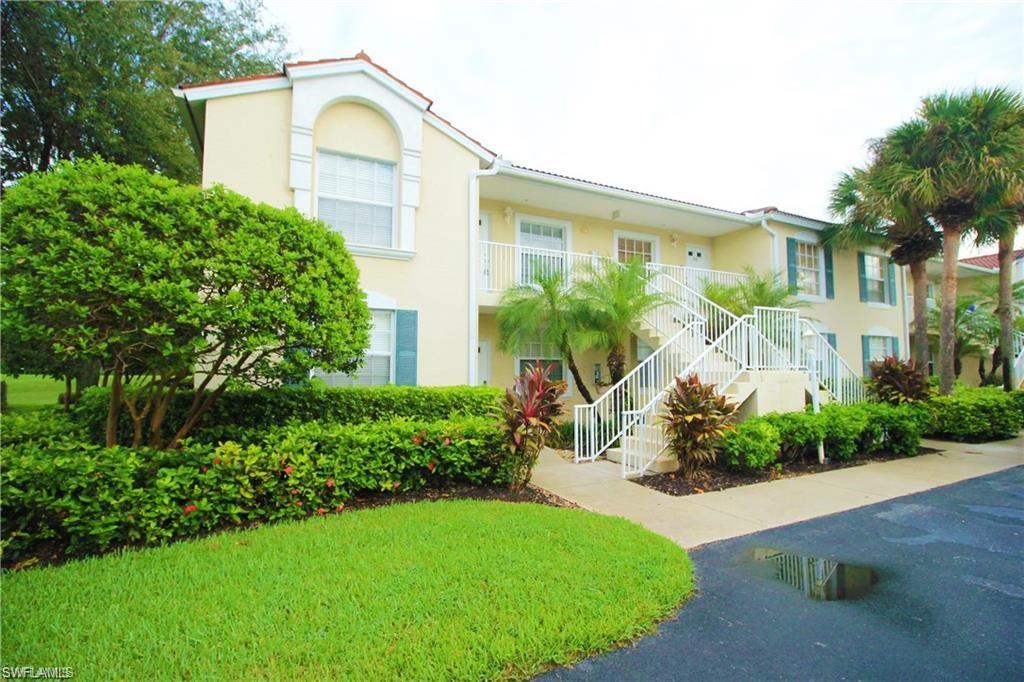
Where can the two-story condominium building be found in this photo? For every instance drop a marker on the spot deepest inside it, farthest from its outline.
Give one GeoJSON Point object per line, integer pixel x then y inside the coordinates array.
{"type": "Point", "coordinates": [440, 226]}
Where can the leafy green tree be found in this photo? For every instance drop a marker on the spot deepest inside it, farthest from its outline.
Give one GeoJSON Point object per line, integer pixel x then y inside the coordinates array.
{"type": "Point", "coordinates": [977, 331]}
{"type": "Point", "coordinates": [615, 298]}
{"type": "Point", "coordinates": [155, 281]}
{"type": "Point", "coordinates": [958, 159]}
{"type": "Point", "coordinates": [84, 78]}
{"type": "Point", "coordinates": [757, 290]}
{"type": "Point", "coordinates": [547, 311]}
{"type": "Point", "coordinates": [871, 215]}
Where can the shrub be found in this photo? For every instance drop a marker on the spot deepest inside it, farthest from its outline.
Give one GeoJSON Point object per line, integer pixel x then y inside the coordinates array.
{"type": "Point", "coordinates": [529, 413]}
{"type": "Point", "coordinates": [240, 410]}
{"type": "Point", "coordinates": [897, 381]}
{"type": "Point", "coordinates": [753, 444]}
{"type": "Point", "coordinates": [1017, 398]}
{"type": "Point", "coordinates": [696, 418]}
{"type": "Point", "coordinates": [896, 428]}
{"type": "Point", "coordinates": [975, 415]}
{"type": "Point", "coordinates": [843, 427]}
{"type": "Point", "coordinates": [84, 498]}
{"type": "Point", "coordinates": [563, 437]}
{"type": "Point", "coordinates": [47, 424]}
{"type": "Point", "coordinates": [798, 432]}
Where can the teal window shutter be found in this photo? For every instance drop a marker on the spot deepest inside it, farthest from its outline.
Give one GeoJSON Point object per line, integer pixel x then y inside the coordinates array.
{"type": "Point", "coordinates": [896, 346]}
{"type": "Point", "coordinates": [791, 263]}
{"type": "Point", "coordinates": [890, 282]}
{"type": "Point", "coordinates": [831, 338]}
{"type": "Point", "coordinates": [830, 283]}
{"type": "Point", "coordinates": [862, 276]}
{"type": "Point", "coordinates": [865, 350]}
{"type": "Point", "coordinates": [406, 329]}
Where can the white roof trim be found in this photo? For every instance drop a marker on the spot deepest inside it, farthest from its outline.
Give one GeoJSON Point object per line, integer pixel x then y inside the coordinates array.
{"type": "Point", "coordinates": [505, 168]}
{"type": "Point", "coordinates": [794, 220]}
{"type": "Point", "coordinates": [295, 73]}
{"type": "Point", "coordinates": [205, 92]}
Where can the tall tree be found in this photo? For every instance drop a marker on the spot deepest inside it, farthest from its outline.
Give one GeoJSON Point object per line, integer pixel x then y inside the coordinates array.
{"type": "Point", "coordinates": [547, 310]}
{"type": "Point", "coordinates": [84, 78]}
{"type": "Point", "coordinates": [956, 160]}
{"type": "Point", "coordinates": [871, 216]}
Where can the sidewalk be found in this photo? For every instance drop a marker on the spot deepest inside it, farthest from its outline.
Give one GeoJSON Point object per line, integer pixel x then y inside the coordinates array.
{"type": "Point", "coordinates": [698, 519]}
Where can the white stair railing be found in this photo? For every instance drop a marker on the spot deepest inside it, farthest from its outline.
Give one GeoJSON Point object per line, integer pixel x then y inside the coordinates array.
{"type": "Point", "coordinates": [601, 423]}
{"type": "Point", "coordinates": [718, 318]}
{"type": "Point", "coordinates": [843, 384]}
{"type": "Point", "coordinates": [698, 278]}
{"type": "Point", "coordinates": [643, 439]}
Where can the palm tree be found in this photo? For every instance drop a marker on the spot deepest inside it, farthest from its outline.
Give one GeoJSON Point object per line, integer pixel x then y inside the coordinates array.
{"type": "Point", "coordinates": [869, 216]}
{"type": "Point", "coordinates": [977, 331]}
{"type": "Point", "coordinates": [959, 158]}
{"type": "Point", "coordinates": [757, 290]}
{"type": "Point", "coordinates": [991, 296]}
{"type": "Point", "coordinates": [615, 298]}
{"type": "Point", "coordinates": [547, 310]}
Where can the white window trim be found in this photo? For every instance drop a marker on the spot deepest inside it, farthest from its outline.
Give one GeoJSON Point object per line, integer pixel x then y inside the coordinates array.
{"type": "Point", "coordinates": [394, 251]}
{"type": "Point", "coordinates": [570, 382]}
{"type": "Point", "coordinates": [883, 304]}
{"type": "Point", "coordinates": [542, 220]}
{"type": "Point", "coordinates": [822, 284]}
{"type": "Point", "coordinates": [653, 238]}
{"type": "Point", "coordinates": [393, 351]}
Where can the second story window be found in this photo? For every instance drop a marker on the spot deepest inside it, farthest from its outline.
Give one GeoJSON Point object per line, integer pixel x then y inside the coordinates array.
{"type": "Point", "coordinates": [356, 197]}
{"type": "Point", "coordinates": [874, 276]}
{"type": "Point", "coordinates": [808, 268]}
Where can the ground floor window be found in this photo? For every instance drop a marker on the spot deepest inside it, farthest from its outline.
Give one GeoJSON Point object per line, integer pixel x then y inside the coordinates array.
{"type": "Point", "coordinates": [378, 365]}
{"type": "Point", "coordinates": [545, 354]}
{"type": "Point", "coordinates": [876, 348]}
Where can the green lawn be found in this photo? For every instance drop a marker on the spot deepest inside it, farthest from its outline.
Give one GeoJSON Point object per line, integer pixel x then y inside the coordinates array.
{"type": "Point", "coordinates": [29, 392]}
{"type": "Point", "coordinates": [443, 590]}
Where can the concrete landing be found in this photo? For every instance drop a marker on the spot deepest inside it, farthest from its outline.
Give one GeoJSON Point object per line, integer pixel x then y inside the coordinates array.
{"type": "Point", "coordinates": [698, 519]}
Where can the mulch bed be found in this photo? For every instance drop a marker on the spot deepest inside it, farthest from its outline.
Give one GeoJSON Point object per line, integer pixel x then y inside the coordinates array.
{"type": "Point", "coordinates": [51, 553]}
{"type": "Point", "coordinates": [722, 479]}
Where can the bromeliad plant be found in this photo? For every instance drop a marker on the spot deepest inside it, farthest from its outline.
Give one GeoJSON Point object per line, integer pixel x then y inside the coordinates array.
{"type": "Point", "coordinates": [897, 381]}
{"type": "Point", "coordinates": [529, 412]}
{"type": "Point", "coordinates": [695, 419]}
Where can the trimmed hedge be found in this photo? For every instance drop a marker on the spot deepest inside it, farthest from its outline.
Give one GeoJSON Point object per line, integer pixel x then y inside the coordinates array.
{"type": "Point", "coordinates": [974, 415]}
{"type": "Point", "coordinates": [752, 444]}
{"type": "Point", "coordinates": [82, 498]}
{"type": "Point", "coordinates": [241, 410]}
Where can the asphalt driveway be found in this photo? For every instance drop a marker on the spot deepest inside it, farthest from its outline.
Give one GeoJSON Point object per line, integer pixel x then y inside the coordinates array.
{"type": "Point", "coordinates": [948, 604]}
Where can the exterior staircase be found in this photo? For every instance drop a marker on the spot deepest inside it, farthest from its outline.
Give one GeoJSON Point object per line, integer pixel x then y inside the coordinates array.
{"type": "Point", "coordinates": [697, 336]}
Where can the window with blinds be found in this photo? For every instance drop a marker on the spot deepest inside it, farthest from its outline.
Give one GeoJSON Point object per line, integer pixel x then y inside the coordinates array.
{"type": "Point", "coordinates": [377, 365]}
{"type": "Point", "coordinates": [356, 197]}
{"type": "Point", "coordinates": [544, 354]}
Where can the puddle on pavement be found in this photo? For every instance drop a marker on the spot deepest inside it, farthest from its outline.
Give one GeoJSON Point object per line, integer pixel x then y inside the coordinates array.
{"type": "Point", "coordinates": [817, 578]}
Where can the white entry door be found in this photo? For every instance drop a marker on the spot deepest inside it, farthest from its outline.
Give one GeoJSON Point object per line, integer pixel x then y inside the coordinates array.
{"type": "Point", "coordinates": [485, 251]}
{"type": "Point", "coordinates": [483, 363]}
{"type": "Point", "coordinates": [698, 256]}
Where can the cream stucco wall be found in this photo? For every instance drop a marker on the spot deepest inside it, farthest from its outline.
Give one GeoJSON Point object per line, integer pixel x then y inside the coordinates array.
{"type": "Point", "coordinates": [246, 145]}
{"type": "Point", "coordinates": [750, 247]}
{"type": "Point", "coordinates": [590, 235]}
{"type": "Point", "coordinates": [846, 315]}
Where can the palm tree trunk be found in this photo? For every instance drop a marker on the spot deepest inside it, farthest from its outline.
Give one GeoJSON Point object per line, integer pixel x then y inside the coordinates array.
{"type": "Point", "coordinates": [919, 278]}
{"type": "Point", "coordinates": [574, 370]}
{"type": "Point", "coordinates": [947, 322]}
{"type": "Point", "coordinates": [617, 363]}
{"type": "Point", "coordinates": [1005, 308]}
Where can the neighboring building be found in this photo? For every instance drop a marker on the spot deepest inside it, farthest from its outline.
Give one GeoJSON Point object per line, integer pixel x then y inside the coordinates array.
{"type": "Point", "coordinates": [440, 225]}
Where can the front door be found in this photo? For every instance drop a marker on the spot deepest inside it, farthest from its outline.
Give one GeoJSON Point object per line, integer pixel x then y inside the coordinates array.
{"type": "Point", "coordinates": [698, 256]}
{"type": "Point", "coordinates": [483, 363]}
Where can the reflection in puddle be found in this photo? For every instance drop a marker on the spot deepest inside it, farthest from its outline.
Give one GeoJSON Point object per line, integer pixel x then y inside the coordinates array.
{"type": "Point", "coordinates": [821, 579]}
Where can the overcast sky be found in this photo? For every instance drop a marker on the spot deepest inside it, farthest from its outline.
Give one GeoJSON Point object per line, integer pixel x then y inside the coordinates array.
{"type": "Point", "coordinates": [734, 105]}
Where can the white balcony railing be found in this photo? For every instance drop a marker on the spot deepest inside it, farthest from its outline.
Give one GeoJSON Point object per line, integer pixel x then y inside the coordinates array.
{"type": "Point", "coordinates": [698, 278]}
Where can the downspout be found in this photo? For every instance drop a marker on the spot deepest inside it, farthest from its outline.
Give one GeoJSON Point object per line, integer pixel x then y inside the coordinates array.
{"type": "Point", "coordinates": [474, 262]}
{"type": "Point", "coordinates": [775, 241]}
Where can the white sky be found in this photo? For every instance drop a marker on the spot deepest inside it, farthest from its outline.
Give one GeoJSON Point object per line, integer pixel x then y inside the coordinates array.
{"type": "Point", "coordinates": [730, 104]}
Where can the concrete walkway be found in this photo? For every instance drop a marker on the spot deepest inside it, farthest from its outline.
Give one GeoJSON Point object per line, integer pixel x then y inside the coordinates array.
{"type": "Point", "coordinates": [698, 519]}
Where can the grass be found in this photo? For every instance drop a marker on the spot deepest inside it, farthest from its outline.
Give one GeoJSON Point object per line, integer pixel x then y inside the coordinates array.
{"type": "Point", "coordinates": [29, 392]}
{"type": "Point", "coordinates": [442, 590]}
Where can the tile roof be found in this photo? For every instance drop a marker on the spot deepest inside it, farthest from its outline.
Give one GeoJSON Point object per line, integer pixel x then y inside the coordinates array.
{"type": "Point", "coordinates": [990, 260]}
